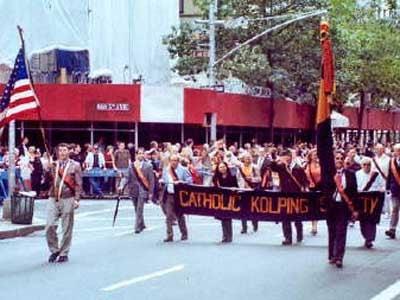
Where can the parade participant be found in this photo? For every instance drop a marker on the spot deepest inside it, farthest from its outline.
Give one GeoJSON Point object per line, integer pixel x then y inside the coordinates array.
{"type": "Point", "coordinates": [292, 178]}
{"type": "Point", "coordinates": [393, 184]}
{"type": "Point", "coordinates": [141, 186]}
{"type": "Point", "coordinates": [313, 172]}
{"type": "Point", "coordinates": [368, 180]}
{"type": "Point", "coordinates": [381, 164]}
{"type": "Point", "coordinates": [174, 174]}
{"type": "Point", "coordinates": [248, 177]}
{"type": "Point", "coordinates": [224, 178]}
{"type": "Point", "coordinates": [340, 210]}
{"type": "Point", "coordinates": [64, 198]}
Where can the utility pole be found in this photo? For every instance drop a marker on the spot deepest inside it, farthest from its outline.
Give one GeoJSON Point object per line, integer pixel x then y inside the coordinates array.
{"type": "Point", "coordinates": [212, 56]}
{"type": "Point", "coordinates": [212, 49]}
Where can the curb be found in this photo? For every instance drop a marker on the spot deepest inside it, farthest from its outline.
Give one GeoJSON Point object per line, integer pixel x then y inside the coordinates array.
{"type": "Point", "coordinates": [19, 232]}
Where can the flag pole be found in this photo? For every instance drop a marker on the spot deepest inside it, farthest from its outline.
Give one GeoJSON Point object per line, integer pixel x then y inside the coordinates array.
{"type": "Point", "coordinates": [31, 83]}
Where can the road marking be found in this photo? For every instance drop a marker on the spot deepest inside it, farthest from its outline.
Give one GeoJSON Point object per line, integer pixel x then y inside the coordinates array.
{"type": "Point", "coordinates": [97, 212]}
{"type": "Point", "coordinates": [102, 228]}
{"type": "Point", "coordinates": [128, 282]}
{"type": "Point", "coordinates": [129, 232]}
{"type": "Point", "coordinates": [389, 293]}
{"type": "Point", "coordinates": [132, 218]}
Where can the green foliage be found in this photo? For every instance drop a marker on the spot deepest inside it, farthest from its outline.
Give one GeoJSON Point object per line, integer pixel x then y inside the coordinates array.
{"type": "Point", "coordinates": [366, 48]}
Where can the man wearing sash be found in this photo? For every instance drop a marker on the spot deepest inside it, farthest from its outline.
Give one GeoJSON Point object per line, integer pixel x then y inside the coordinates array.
{"type": "Point", "coordinates": [340, 210]}
{"type": "Point", "coordinates": [393, 184]}
{"type": "Point", "coordinates": [368, 180]}
{"type": "Point", "coordinates": [381, 164]}
{"type": "Point", "coordinates": [64, 198]}
{"type": "Point", "coordinates": [173, 174]}
{"type": "Point", "coordinates": [141, 186]}
{"type": "Point", "coordinates": [292, 178]}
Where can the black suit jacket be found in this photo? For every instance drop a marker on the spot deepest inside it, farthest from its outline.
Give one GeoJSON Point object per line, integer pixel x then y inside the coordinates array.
{"type": "Point", "coordinates": [287, 183]}
{"type": "Point", "coordinates": [350, 188]}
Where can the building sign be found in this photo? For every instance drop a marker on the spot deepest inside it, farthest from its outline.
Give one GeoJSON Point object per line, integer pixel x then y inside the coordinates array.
{"type": "Point", "coordinates": [118, 107]}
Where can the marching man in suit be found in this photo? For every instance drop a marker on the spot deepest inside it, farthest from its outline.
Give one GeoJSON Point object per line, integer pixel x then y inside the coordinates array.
{"type": "Point", "coordinates": [141, 186]}
{"type": "Point", "coordinates": [340, 210]}
{"type": "Point", "coordinates": [393, 185]}
{"type": "Point", "coordinates": [173, 174]}
{"type": "Point", "coordinates": [64, 199]}
{"type": "Point", "coordinates": [292, 178]}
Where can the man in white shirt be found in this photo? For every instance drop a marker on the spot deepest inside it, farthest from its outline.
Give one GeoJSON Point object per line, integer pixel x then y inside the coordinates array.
{"type": "Point", "coordinates": [368, 180]}
{"type": "Point", "coordinates": [95, 161]}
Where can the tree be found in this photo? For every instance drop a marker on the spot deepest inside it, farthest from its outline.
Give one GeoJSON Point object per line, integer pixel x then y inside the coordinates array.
{"type": "Point", "coordinates": [288, 61]}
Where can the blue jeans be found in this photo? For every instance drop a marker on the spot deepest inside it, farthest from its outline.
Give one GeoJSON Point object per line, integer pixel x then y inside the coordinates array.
{"type": "Point", "coordinates": [95, 182]}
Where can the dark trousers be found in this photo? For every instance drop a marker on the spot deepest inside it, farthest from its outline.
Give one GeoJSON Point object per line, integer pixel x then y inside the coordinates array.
{"type": "Point", "coordinates": [244, 225]}
{"type": "Point", "coordinates": [337, 220]}
{"type": "Point", "coordinates": [36, 179]}
{"type": "Point", "coordinates": [138, 203]}
{"type": "Point", "coordinates": [368, 230]}
{"type": "Point", "coordinates": [171, 216]}
{"type": "Point", "coordinates": [226, 229]}
{"type": "Point", "coordinates": [287, 230]}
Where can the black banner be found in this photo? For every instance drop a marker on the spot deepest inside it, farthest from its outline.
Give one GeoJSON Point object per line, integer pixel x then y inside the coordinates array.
{"type": "Point", "coordinates": [266, 205]}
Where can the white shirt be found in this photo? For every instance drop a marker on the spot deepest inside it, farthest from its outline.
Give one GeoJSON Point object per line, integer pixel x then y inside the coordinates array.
{"type": "Point", "coordinates": [338, 197]}
{"type": "Point", "coordinates": [383, 162]}
{"type": "Point", "coordinates": [363, 178]}
{"type": "Point", "coordinates": [170, 184]}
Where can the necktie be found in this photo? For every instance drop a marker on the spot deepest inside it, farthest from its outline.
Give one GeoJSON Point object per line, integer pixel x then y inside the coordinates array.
{"type": "Point", "coordinates": [338, 179]}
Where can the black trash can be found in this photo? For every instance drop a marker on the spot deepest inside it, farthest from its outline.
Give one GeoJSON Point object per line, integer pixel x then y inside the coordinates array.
{"type": "Point", "coordinates": [22, 208]}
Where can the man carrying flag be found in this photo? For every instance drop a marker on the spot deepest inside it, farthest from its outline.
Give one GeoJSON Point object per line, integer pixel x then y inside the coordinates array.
{"type": "Point", "coordinates": [338, 185]}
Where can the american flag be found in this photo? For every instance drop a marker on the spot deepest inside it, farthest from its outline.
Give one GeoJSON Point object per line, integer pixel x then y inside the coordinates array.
{"type": "Point", "coordinates": [19, 99]}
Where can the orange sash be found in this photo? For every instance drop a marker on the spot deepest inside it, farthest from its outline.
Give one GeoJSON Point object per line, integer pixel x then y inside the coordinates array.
{"type": "Point", "coordinates": [394, 171]}
{"type": "Point", "coordinates": [265, 183]}
{"type": "Point", "coordinates": [342, 193]}
{"type": "Point", "coordinates": [142, 179]}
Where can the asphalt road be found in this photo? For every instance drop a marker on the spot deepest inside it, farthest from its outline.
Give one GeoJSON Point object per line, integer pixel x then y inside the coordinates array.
{"type": "Point", "coordinates": [114, 263]}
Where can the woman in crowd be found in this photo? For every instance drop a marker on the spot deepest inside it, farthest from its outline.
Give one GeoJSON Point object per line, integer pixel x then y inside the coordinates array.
{"type": "Point", "coordinates": [223, 178]}
{"type": "Point", "coordinates": [109, 182]}
{"type": "Point", "coordinates": [313, 172]}
{"type": "Point", "coordinates": [37, 172]}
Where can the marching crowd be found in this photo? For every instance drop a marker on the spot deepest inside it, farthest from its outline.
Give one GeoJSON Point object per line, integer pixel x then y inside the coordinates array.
{"type": "Point", "coordinates": [151, 175]}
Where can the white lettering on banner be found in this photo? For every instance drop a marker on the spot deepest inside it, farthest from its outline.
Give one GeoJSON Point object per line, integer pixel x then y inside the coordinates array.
{"type": "Point", "coordinates": [113, 107]}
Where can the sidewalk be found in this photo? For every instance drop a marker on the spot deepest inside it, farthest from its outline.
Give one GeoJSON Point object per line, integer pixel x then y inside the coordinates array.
{"type": "Point", "coordinates": [9, 230]}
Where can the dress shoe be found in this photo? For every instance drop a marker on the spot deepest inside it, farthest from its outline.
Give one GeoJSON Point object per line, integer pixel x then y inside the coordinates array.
{"type": "Point", "coordinates": [255, 227]}
{"type": "Point", "coordinates": [286, 242]}
{"type": "Point", "coordinates": [53, 257]}
{"type": "Point", "coordinates": [224, 240]}
{"type": "Point", "coordinates": [368, 244]}
{"type": "Point", "coordinates": [137, 231]}
{"type": "Point", "coordinates": [184, 237]}
{"type": "Point", "coordinates": [332, 261]}
{"type": "Point", "coordinates": [391, 233]}
{"type": "Point", "coordinates": [339, 263]}
{"type": "Point", "coordinates": [244, 231]}
{"type": "Point", "coordinates": [63, 259]}
{"type": "Point", "coordinates": [168, 239]}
